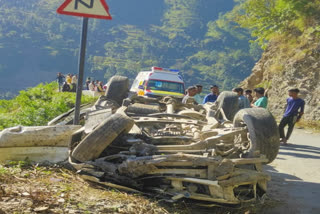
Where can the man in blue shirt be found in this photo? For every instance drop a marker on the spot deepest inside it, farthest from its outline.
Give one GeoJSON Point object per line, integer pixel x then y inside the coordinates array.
{"type": "Point", "coordinates": [292, 114]}
{"type": "Point", "coordinates": [213, 96]}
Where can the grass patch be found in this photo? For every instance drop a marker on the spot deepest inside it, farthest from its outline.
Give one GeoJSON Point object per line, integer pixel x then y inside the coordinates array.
{"type": "Point", "coordinates": [57, 190]}
{"type": "Point", "coordinates": [309, 124]}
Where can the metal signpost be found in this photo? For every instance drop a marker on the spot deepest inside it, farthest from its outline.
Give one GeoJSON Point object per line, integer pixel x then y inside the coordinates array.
{"type": "Point", "coordinates": [87, 9]}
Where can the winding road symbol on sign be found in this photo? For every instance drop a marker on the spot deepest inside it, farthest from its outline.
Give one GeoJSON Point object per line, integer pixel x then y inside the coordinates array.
{"type": "Point", "coordinates": [85, 8]}
{"type": "Point", "coordinates": [84, 3]}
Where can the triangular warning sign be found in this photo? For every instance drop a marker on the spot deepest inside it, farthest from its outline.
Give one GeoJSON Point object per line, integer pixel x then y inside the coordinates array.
{"type": "Point", "coordinates": [85, 8]}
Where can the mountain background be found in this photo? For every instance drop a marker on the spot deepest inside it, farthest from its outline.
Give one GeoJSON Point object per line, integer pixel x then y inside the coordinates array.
{"type": "Point", "coordinates": [198, 37]}
{"type": "Point", "coordinates": [211, 41]}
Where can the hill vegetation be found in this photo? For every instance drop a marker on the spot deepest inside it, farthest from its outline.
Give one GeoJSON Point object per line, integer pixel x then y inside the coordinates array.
{"type": "Point", "coordinates": [36, 106]}
{"type": "Point", "coordinates": [199, 37]}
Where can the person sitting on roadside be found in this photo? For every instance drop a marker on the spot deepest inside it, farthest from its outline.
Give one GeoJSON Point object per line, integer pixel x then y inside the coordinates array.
{"type": "Point", "coordinates": [69, 79]}
{"type": "Point", "coordinates": [100, 87]}
{"type": "Point", "coordinates": [66, 87]}
{"type": "Point", "coordinates": [74, 79]}
{"type": "Point", "coordinates": [189, 98]}
{"type": "Point", "coordinates": [248, 94]}
{"type": "Point", "coordinates": [262, 101]}
{"type": "Point", "coordinates": [213, 96]}
{"type": "Point", "coordinates": [197, 97]}
{"type": "Point", "coordinates": [291, 115]}
{"type": "Point", "coordinates": [91, 86]}
{"type": "Point", "coordinates": [243, 101]}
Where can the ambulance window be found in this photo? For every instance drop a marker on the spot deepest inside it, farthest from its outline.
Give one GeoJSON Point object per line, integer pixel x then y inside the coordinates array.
{"type": "Point", "coordinates": [161, 85]}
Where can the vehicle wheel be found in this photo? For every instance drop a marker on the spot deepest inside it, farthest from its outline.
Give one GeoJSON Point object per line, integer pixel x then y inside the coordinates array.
{"type": "Point", "coordinates": [117, 89]}
{"type": "Point", "coordinates": [228, 101]}
{"type": "Point", "coordinates": [101, 137]}
{"type": "Point", "coordinates": [138, 108]}
{"type": "Point", "coordinates": [263, 131]}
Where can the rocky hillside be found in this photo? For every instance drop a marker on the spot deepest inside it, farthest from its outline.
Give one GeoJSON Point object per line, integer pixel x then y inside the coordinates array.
{"type": "Point", "coordinates": [283, 67]}
{"type": "Point", "coordinates": [290, 33]}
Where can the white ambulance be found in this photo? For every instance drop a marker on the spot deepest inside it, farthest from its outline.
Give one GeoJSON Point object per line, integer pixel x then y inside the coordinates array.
{"type": "Point", "coordinates": [158, 82]}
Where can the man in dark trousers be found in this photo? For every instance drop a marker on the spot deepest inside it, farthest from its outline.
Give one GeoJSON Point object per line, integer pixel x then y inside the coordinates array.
{"type": "Point", "coordinates": [293, 113]}
{"type": "Point", "coordinates": [60, 79]}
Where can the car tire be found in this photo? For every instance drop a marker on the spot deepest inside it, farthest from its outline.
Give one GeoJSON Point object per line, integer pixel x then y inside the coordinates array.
{"type": "Point", "coordinates": [117, 89]}
{"type": "Point", "coordinates": [263, 131]}
{"type": "Point", "coordinates": [228, 101]}
{"type": "Point", "coordinates": [101, 137]}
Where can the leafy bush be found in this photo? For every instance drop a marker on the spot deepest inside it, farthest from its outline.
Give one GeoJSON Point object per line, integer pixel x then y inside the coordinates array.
{"type": "Point", "coordinates": [267, 18]}
{"type": "Point", "coordinates": [36, 106]}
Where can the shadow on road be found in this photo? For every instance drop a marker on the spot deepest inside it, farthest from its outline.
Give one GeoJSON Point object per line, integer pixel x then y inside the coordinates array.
{"type": "Point", "coordinates": [300, 151]}
{"type": "Point", "coordinates": [291, 194]}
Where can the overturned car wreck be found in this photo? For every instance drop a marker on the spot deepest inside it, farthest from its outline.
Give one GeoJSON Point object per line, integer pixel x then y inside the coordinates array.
{"type": "Point", "coordinates": [211, 152]}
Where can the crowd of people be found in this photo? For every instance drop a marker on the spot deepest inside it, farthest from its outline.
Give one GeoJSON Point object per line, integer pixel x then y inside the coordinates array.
{"type": "Point", "coordinates": [294, 108]}
{"type": "Point", "coordinates": [246, 100]}
{"type": "Point", "coordinates": [69, 83]}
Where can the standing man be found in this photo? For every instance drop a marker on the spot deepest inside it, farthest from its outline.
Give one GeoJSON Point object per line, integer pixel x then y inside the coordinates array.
{"type": "Point", "coordinates": [189, 98]}
{"type": "Point", "coordinates": [243, 101]}
{"type": "Point", "coordinates": [197, 97]}
{"type": "Point", "coordinates": [60, 80]}
{"type": "Point", "coordinates": [213, 96]}
{"type": "Point", "coordinates": [262, 101]}
{"type": "Point", "coordinates": [248, 94]}
{"type": "Point", "coordinates": [292, 114]}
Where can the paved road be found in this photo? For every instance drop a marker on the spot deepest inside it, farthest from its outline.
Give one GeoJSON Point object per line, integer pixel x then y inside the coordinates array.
{"type": "Point", "coordinates": [296, 176]}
